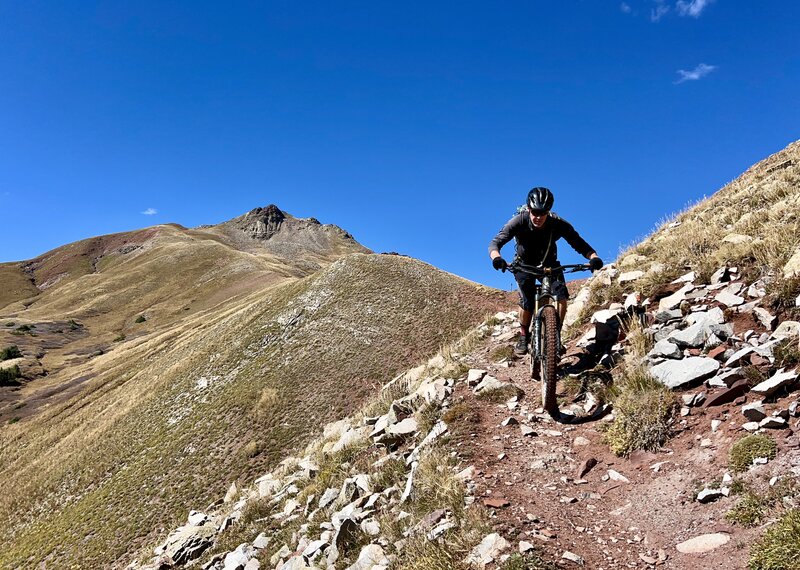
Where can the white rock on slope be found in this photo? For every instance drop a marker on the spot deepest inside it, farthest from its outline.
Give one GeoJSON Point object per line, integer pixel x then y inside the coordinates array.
{"type": "Point", "coordinates": [677, 373]}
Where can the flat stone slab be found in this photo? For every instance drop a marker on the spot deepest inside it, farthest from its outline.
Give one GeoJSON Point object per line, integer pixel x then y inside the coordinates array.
{"type": "Point", "coordinates": [674, 300]}
{"type": "Point", "coordinates": [779, 380]}
{"type": "Point", "coordinates": [692, 336]}
{"type": "Point", "coordinates": [729, 299]}
{"type": "Point", "coordinates": [474, 376]}
{"type": "Point", "coordinates": [704, 543]}
{"type": "Point", "coordinates": [677, 373]}
{"type": "Point", "coordinates": [630, 276]}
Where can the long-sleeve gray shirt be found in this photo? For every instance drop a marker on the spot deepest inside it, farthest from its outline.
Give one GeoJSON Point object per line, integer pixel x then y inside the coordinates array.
{"type": "Point", "coordinates": [537, 246]}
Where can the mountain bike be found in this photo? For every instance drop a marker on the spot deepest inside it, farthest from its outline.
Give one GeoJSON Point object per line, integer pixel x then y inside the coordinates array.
{"type": "Point", "coordinates": [546, 331]}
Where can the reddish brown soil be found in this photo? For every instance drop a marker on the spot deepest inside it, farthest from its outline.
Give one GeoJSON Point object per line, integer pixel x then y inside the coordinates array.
{"type": "Point", "coordinates": [610, 524]}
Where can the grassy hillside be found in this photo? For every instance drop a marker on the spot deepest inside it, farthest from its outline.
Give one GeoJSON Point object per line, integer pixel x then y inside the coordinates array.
{"type": "Point", "coordinates": [171, 418]}
{"type": "Point", "coordinates": [752, 223]}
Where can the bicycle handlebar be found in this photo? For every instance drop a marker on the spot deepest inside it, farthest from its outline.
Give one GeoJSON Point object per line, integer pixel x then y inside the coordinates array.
{"type": "Point", "coordinates": [518, 266]}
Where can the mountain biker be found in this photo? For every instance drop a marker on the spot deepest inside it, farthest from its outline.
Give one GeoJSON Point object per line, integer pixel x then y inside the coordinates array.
{"type": "Point", "coordinates": [536, 231]}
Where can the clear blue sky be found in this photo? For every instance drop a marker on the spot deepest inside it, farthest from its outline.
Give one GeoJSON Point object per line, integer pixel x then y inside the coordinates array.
{"type": "Point", "coordinates": [416, 126]}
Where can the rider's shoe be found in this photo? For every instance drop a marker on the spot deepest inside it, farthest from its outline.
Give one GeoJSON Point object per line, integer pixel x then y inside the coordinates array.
{"type": "Point", "coordinates": [521, 348]}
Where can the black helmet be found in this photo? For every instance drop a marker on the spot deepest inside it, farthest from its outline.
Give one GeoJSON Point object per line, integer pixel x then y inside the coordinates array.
{"type": "Point", "coordinates": [540, 198]}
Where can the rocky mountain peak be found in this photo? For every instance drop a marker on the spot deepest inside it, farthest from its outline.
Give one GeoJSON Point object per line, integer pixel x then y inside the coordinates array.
{"type": "Point", "coordinates": [260, 223]}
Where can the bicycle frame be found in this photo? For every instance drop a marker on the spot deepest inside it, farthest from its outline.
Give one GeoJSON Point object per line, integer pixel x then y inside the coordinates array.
{"type": "Point", "coordinates": [546, 342]}
{"type": "Point", "coordinates": [543, 296]}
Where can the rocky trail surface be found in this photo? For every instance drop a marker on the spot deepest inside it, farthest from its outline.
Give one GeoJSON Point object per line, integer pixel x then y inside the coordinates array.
{"type": "Point", "coordinates": [552, 492]}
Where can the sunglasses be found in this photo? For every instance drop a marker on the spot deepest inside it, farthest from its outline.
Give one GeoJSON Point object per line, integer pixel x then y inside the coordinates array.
{"type": "Point", "coordinates": [537, 212]}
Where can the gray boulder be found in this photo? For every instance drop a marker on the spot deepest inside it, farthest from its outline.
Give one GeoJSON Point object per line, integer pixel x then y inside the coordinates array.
{"type": "Point", "coordinates": [677, 373]}
{"type": "Point", "coordinates": [666, 349]}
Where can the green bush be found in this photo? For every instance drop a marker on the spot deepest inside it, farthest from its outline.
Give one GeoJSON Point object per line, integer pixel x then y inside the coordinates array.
{"type": "Point", "coordinates": [140, 319]}
{"type": "Point", "coordinates": [120, 338]}
{"type": "Point", "coordinates": [748, 448]}
{"type": "Point", "coordinates": [748, 511]}
{"type": "Point", "coordinates": [8, 376]}
{"type": "Point", "coordinates": [643, 409]}
{"type": "Point", "coordinates": [779, 548]}
{"type": "Point", "coordinates": [10, 352]}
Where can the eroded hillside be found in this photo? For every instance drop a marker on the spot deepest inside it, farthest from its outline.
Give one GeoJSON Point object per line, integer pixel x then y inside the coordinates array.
{"type": "Point", "coordinates": [229, 370]}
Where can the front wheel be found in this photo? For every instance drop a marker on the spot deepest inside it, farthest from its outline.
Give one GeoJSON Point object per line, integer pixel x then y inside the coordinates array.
{"type": "Point", "coordinates": [535, 364]}
{"type": "Point", "coordinates": [549, 360]}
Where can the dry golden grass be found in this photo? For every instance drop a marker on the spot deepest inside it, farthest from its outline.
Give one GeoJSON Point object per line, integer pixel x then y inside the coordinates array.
{"type": "Point", "coordinates": [167, 418]}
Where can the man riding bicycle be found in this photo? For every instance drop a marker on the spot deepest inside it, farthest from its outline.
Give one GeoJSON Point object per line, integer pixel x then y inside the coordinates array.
{"type": "Point", "coordinates": [536, 231]}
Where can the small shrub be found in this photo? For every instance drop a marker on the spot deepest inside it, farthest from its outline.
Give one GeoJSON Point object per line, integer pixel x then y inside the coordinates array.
{"type": "Point", "coordinates": [10, 352]}
{"type": "Point", "coordinates": [120, 338]}
{"type": "Point", "coordinates": [23, 330]}
{"type": "Point", "coordinates": [10, 324]}
{"type": "Point", "coordinates": [753, 375]}
{"type": "Point", "coordinates": [779, 548]}
{"type": "Point", "coordinates": [782, 293]}
{"type": "Point", "coordinates": [13, 420]}
{"type": "Point", "coordinates": [738, 487]}
{"type": "Point", "coordinates": [787, 353]}
{"type": "Point", "coordinates": [427, 417]}
{"type": "Point", "coordinates": [140, 319]}
{"type": "Point", "coordinates": [748, 448]}
{"type": "Point", "coordinates": [644, 409]}
{"type": "Point", "coordinates": [528, 561]}
{"type": "Point", "coordinates": [8, 376]}
{"type": "Point", "coordinates": [74, 325]}
{"type": "Point", "coordinates": [390, 472]}
{"type": "Point", "coordinates": [747, 512]}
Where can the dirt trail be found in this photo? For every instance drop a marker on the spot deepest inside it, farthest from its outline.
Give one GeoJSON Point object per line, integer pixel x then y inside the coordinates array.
{"type": "Point", "coordinates": [554, 503]}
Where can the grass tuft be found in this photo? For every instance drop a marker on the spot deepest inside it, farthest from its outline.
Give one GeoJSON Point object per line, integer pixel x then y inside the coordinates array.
{"type": "Point", "coordinates": [502, 353]}
{"type": "Point", "coordinates": [747, 512]}
{"type": "Point", "coordinates": [499, 395]}
{"type": "Point", "coordinates": [643, 410]}
{"type": "Point", "coordinates": [779, 548]}
{"type": "Point", "coordinates": [748, 448]}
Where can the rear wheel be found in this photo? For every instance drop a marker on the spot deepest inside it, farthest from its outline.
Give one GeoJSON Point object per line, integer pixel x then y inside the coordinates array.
{"type": "Point", "coordinates": [549, 360]}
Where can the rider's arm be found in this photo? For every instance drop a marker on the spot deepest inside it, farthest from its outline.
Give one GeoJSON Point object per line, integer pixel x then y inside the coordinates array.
{"type": "Point", "coordinates": [505, 235]}
{"type": "Point", "coordinates": [575, 240]}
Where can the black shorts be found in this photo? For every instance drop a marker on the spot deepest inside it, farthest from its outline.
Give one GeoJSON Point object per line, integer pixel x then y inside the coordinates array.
{"type": "Point", "coordinates": [527, 289]}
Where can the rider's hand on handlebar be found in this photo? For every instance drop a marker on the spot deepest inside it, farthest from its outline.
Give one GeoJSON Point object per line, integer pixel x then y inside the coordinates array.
{"type": "Point", "coordinates": [595, 263]}
{"type": "Point", "coordinates": [499, 263]}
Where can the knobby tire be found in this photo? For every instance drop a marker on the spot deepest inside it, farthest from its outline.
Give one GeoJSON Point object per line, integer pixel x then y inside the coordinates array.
{"type": "Point", "coordinates": [549, 361]}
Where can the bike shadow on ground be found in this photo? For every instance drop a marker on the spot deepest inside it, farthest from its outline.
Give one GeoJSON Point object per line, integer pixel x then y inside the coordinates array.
{"type": "Point", "coordinates": [573, 419]}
